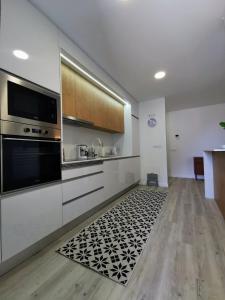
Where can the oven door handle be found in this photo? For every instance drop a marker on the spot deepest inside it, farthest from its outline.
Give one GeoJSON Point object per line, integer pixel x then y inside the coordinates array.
{"type": "Point", "coordinates": [30, 140]}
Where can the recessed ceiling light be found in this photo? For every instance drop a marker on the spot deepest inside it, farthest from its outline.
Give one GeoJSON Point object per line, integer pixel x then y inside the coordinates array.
{"type": "Point", "coordinates": [20, 54]}
{"type": "Point", "coordinates": [160, 75]}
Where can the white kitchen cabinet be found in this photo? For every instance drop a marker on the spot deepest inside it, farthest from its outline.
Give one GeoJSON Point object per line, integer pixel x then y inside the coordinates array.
{"type": "Point", "coordinates": [29, 216]}
{"type": "Point", "coordinates": [77, 187]}
{"type": "Point", "coordinates": [83, 189]}
{"type": "Point", "coordinates": [79, 206]}
{"type": "Point", "coordinates": [120, 174]}
{"type": "Point", "coordinates": [23, 27]}
{"type": "Point", "coordinates": [135, 136]}
{"type": "Point", "coordinates": [76, 171]}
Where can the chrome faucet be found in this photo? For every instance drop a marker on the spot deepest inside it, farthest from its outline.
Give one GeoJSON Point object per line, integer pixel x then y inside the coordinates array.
{"type": "Point", "coordinates": [100, 142]}
{"type": "Point", "coordinates": [100, 145]}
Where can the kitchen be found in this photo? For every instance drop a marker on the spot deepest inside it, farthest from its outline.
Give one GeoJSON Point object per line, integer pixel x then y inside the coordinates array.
{"type": "Point", "coordinates": [46, 175]}
{"type": "Point", "coordinates": [78, 151]}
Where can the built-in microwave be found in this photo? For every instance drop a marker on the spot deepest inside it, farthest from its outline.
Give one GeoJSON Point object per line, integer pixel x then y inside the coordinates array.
{"type": "Point", "coordinates": [25, 102]}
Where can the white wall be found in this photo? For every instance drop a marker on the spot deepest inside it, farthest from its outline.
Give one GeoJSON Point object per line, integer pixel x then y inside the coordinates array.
{"type": "Point", "coordinates": [81, 135]}
{"type": "Point", "coordinates": [198, 130]}
{"type": "Point", "coordinates": [153, 141]}
{"type": "Point", "coordinates": [74, 135]}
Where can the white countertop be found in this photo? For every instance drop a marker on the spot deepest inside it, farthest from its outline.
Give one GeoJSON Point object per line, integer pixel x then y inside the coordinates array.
{"type": "Point", "coordinates": [215, 150]}
{"type": "Point", "coordinates": [99, 159]}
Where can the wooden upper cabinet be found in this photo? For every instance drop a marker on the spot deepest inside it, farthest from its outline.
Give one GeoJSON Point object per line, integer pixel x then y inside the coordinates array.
{"type": "Point", "coordinates": [117, 116]}
{"type": "Point", "coordinates": [68, 91]}
{"type": "Point", "coordinates": [85, 101]}
{"type": "Point", "coordinates": [99, 109]}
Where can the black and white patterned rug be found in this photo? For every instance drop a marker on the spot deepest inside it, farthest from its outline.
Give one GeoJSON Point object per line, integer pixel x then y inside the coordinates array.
{"type": "Point", "coordinates": [113, 243]}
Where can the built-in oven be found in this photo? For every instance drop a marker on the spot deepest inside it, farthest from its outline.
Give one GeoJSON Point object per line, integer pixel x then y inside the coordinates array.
{"type": "Point", "coordinates": [28, 160]}
{"type": "Point", "coordinates": [30, 134]}
{"type": "Point", "coordinates": [25, 102]}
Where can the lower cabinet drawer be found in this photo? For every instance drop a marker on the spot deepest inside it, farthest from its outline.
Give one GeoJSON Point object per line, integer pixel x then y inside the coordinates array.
{"type": "Point", "coordinates": [76, 208]}
{"type": "Point", "coordinates": [77, 187]}
{"type": "Point", "coordinates": [77, 172]}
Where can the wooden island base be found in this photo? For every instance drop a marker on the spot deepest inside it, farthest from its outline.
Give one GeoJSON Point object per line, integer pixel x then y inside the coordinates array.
{"type": "Point", "coordinates": [219, 180]}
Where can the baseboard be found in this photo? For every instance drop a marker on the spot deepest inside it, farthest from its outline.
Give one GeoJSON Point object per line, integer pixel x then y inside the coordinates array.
{"type": "Point", "coordinates": [14, 261]}
{"type": "Point", "coordinates": [161, 184]}
{"type": "Point", "coordinates": [188, 177]}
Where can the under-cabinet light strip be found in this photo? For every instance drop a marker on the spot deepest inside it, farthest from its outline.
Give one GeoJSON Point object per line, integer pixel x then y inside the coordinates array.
{"type": "Point", "coordinates": [81, 70]}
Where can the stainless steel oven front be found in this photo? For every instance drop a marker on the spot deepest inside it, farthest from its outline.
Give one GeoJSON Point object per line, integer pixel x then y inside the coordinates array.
{"type": "Point", "coordinates": [27, 103]}
{"type": "Point", "coordinates": [28, 160]}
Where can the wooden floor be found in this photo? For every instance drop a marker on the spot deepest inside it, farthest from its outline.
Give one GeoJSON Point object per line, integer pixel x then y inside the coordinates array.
{"type": "Point", "coordinates": [184, 259]}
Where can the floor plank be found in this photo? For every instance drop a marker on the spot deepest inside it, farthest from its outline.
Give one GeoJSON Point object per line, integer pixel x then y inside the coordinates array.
{"type": "Point", "coordinates": [184, 259]}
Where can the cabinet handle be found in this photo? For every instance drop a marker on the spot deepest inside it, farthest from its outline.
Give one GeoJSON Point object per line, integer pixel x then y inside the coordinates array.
{"type": "Point", "coordinates": [83, 195]}
{"type": "Point", "coordinates": [30, 140]}
{"type": "Point", "coordinates": [77, 120]}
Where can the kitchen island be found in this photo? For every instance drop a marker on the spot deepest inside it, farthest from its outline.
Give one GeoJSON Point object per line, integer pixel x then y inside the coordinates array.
{"type": "Point", "coordinates": [214, 168]}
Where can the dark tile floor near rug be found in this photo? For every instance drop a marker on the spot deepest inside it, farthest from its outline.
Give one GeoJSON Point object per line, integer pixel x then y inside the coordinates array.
{"type": "Point", "coordinates": [113, 243]}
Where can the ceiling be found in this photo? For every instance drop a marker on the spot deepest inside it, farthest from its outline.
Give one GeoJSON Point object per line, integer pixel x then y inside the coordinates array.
{"type": "Point", "coordinates": [132, 39]}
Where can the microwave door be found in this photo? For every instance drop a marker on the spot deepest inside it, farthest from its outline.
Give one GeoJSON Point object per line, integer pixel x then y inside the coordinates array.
{"type": "Point", "coordinates": [29, 104]}
{"type": "Point", "coordinates": [25, 102]}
